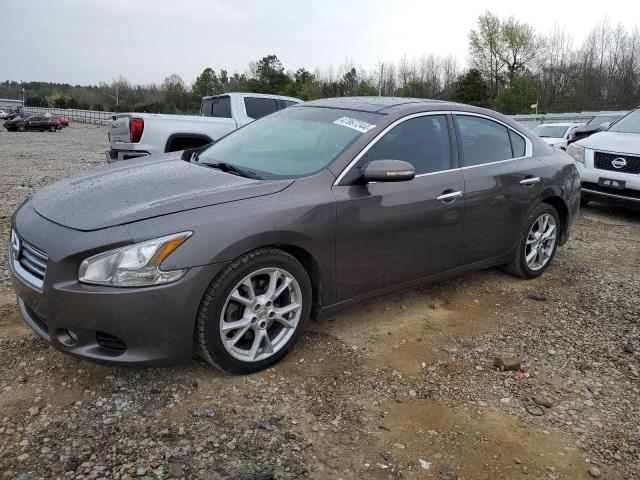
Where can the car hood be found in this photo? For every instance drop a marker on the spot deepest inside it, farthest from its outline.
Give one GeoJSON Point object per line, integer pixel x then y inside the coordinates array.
{"type": "Point", "coordinates": [552, 140]}
{"type": "Point", "coordinates": [617, 142]}
{"type": "Point", "coordinates": [133, 190]}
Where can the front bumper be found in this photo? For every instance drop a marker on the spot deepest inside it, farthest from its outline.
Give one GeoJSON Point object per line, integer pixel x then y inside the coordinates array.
{"type": "Point", "coordinates": [141, 327]}
{"type": "Point", "coordinates": [127, 326]}
{"type": "Point", "coordinates": [590, 189]}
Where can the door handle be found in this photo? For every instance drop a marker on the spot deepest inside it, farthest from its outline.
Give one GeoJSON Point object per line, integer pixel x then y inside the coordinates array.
{"type": "Point", "coordinates": [448, 196]}
{"type": "Point", "coordinates": [529, 181]}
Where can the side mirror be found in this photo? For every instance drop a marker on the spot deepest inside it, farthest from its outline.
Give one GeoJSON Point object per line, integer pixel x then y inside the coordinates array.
{"type": "Point", "coordinates": [389, 171]}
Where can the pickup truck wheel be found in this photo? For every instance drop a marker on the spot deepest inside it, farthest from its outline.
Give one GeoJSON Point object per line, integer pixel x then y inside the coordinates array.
{"type": "Point", "coordinates": [538, 243]}
{"type": "Point", "coordinates": [254, 311]}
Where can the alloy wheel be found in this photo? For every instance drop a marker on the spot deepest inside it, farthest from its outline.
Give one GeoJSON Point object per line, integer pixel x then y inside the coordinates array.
{"type": "Point", "coordinates": [261, 314]}
{"type": "Point", "coordinates": [541, 241]}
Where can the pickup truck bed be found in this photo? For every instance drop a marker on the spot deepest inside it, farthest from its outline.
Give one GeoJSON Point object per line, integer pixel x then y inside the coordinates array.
{"type": "Point", "coordinates": [134, 135]}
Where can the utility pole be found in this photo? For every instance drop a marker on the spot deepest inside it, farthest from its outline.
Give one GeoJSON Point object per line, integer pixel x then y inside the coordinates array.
{"type": "Point", "coordinates": [380, 82]}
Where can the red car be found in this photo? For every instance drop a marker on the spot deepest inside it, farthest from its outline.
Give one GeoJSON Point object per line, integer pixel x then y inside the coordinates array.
{"type": "Point", "coordinates": [62, 120]}
{"type": "Point", "coordinates": [34, 123]}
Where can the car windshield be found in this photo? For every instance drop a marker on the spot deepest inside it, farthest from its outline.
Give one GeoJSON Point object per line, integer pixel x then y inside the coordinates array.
{"type": "Point", "coordinates": [600, 119]}
{"type": "Point", "coordinates": [294, 142]}
{"type": "Point", "coordinates": [551, 131]}
{"type": "Point", "coordinates": [628, 124]}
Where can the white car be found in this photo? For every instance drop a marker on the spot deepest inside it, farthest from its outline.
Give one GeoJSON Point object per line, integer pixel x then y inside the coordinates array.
{"type": "Point", "coordinates": [609, 163]}
{"type": "Point", "coordinates": [556, 134]}
{"type": "Point", "coordinates": [3, 114]}
{"type": "Point", "coordinates": [134, 135]}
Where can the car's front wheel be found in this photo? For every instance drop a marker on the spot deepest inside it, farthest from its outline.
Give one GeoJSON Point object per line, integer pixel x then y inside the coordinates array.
{"type": "Point", "coordinates": [254, 311]}
{"type": "Point", "coordinates": [538, 243]}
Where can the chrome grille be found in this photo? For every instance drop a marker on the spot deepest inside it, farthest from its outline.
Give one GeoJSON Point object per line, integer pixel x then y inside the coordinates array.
{"type": "Point", "coordinates": [33, 260]}
{"type": "Point", "coordinates": [627, 163]}
{"type": "Point", "coordinates": [29, 262]}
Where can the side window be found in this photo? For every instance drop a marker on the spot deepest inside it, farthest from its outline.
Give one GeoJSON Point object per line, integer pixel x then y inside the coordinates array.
{"type": "Point", "coordinates": [421, 141]}
{"type": "Point", "coordinates": [483, 140]}
{"type": "Point", "coordinates": [518, 144]}
{"type": "Point", "coordinates": [216, 107]}
{"type": "Point", "coordinates": [259, 107]}
{"type": "Point", "coordinates": [221, 107]}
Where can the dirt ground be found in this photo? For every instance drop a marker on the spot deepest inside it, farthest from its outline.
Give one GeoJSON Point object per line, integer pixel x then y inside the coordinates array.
{"type": "Point", "coordinates": [402, 387]}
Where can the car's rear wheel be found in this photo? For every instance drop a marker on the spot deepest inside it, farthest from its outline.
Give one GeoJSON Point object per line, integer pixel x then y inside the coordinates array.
{"type": "Point", "coordinates": [538, 243]}
{"type": "Point", "coordinates": [52, 128]}
{"type": "Point", "coordinates": [21, 128]}
{"type": "Point", "coordinates": [254, 311]}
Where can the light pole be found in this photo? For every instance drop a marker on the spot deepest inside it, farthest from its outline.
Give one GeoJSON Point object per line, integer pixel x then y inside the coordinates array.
{"type": "Point", "coordinates": [112, 96]}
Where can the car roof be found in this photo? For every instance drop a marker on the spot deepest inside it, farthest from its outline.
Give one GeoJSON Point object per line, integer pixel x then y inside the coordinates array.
{"type": "Point", "coordinates": [560, 124]}
{"type": "Point", "coordinates": [249, 94]}
{"type": "Point", "coordinates": [374, 104]}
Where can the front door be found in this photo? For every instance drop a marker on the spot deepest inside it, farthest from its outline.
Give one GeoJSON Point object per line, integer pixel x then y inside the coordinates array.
{"type": "Point", "coordinates": [393, 232]}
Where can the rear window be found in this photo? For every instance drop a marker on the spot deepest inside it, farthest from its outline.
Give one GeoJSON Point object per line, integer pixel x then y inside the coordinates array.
{"type": "Point", "coordinates": [216, 107]}
{"type": "Point", "coordinates": [260, 107]}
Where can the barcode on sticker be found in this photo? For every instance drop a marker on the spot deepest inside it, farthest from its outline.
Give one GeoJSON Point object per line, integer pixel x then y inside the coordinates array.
{"type": "Point", "coordinates": [359, 125]}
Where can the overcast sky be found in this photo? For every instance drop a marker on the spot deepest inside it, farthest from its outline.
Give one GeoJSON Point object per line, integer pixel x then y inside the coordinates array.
{"type": "Point", "coordinates": [88, 41]}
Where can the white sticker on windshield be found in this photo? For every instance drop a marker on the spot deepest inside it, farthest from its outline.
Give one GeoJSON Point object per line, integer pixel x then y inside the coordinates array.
{"type": "Point", "coordinates": [359, 125]}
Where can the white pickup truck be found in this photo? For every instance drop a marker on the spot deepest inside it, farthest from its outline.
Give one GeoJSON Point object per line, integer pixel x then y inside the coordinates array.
{"type": "Point", "coordinates": [137, 134]}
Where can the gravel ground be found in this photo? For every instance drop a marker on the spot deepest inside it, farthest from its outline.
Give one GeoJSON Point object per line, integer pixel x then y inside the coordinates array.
{"type": "Point", "coordinates": [402, 387]}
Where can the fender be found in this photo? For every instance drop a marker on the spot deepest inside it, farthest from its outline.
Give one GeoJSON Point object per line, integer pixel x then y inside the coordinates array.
{"type": "Point", "coordinates": [189, 136]}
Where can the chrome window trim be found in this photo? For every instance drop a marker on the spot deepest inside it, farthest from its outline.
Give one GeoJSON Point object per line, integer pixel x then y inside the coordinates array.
{"type": "Point", "coordinates": [375, 140]}
{"type": "Point", "coordinates": [528, 151]}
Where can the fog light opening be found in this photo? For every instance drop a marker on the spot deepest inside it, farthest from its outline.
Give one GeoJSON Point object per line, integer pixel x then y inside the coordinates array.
{"type": "Point", "coordinates": [67, 337]}
{"type": "Point", "coordinates": [110, 344]}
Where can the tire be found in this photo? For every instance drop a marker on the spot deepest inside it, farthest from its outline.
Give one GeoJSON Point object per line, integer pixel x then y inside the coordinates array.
{"type": "Point", "coordinates": [218, 310]}
{"type": "Point", "coordinates": [519, 266]}
{"type": "Point", "coordinates": [52, 128]}
{"type": "Point", "coordinates": [21, 128]}
{"type": "Point", "coordinates": [584, 202]}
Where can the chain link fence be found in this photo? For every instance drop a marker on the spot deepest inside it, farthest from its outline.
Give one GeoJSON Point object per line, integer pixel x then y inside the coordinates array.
{"type": "Point", "coordinates": [92, 116]}
{"type": "Point", "coordinates": [75, 115]}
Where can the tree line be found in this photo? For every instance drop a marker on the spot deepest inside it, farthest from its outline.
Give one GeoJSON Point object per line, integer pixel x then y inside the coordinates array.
{"type": "Point", "coordinates": [512, 68]}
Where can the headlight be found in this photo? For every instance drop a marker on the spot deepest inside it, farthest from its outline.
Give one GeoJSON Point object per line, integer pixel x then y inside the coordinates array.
{"type": "Point", "coordinates": [136, 265]}
{"type": "Point", "coordinates": [576, 152]}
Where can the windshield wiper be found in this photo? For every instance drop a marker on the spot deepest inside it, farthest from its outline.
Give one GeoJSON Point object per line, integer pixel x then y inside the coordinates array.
{"type": "Point", "coordinates": [234, 169]}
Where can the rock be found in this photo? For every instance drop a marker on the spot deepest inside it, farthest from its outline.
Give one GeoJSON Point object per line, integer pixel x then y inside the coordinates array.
{"type": "Point", "coordinates": [203, 412]}
{"type": "Point", "coordinates": [507, 362]}
{"type": "Point", "coordinates": [424, 464]}
{"type": "Point", "coordinates": [595, 472]}
{"type": "Point", "coordinates": [33, 411]}
{"type": "Point", "coordinates": [22, 378]}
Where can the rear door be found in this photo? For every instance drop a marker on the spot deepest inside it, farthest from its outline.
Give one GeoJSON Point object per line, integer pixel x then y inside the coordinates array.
{"type": "Point", "coordinates": [502, 181]}
{"type": "Point", "coordinates": [35, 123]}
{"type": "Point", "coordinates": [392, 232]}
